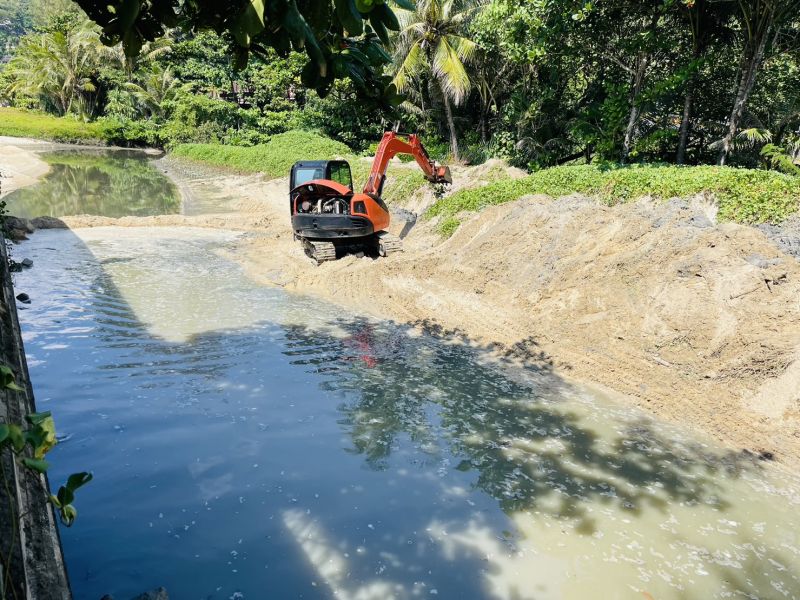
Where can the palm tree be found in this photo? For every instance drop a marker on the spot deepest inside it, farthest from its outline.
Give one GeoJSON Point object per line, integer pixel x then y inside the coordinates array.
{"type": "Point", "coordinates": [57, 67]}
{"type": "Point", "coordinates": [432, 41]}
{"type": "Point", "coordinates": [149, 52]}
{"type": "Point", "coordinates": [153, 88]}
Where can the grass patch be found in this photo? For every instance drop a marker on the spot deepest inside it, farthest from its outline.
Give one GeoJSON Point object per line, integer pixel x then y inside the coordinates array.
{"type": "Point", "coordinates": [401, 184]}
{"type": "Point", "coordinates": [743, 195]}
{"type": "Point", "coordinates": [275, 158]}
{"type": "Point", "coordinates": [22, 123]}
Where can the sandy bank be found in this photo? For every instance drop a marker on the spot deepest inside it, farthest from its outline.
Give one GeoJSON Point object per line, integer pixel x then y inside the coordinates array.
{"type": "Point", "coordinates": [19, 165]}
{"type": "Point", "coordinates": [695, 322]}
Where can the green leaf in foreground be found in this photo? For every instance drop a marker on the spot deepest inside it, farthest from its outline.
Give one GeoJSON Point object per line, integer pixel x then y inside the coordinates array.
{"type": "Point", "coordinates": [37, 464]}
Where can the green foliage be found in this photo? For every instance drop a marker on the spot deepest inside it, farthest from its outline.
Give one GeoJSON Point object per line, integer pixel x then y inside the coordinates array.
{"type": "Point", "coordinates": [343, 116]}
{"type": "Point", "coordinates": [21, 123]}
{"type": "Point", "coordinates": [7, 379]}
{"type": "Point", "coordinates": [66, 496]}
{"type": "Point", "coordinates": [333, 35]}
{"type": "Point", "coordinates": [59, 67]}
{"type": "Point", "coordinates": [401, 184]}
{"type": "Point", "coordinates": [37, 439]}
{"type": "Point", "coordinates": [778, 159]}
{"type": "Point", "coordinates": [274, 158]}
{"type": "Point", "coordinates": [743, 195]}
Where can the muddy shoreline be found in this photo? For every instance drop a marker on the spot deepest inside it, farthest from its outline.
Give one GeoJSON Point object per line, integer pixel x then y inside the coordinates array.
{"type": "Point", "coordinates": [654, 303]}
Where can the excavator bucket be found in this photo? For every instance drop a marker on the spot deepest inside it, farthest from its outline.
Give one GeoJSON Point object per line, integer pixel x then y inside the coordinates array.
{"type": "Point", "coordinates": [441, 175]}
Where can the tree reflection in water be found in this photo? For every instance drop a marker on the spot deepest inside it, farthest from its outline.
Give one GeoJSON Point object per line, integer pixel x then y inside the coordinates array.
{"type": "Point", "coordinates": [529, 449]}
{"type": "Point", "coordinates": [103, 183]}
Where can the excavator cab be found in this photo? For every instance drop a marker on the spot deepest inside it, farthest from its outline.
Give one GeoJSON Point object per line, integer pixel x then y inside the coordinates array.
{"type": "Point", "coordinates": [330, 218]}
{"type": "Point", "coordinates": [331, 170]}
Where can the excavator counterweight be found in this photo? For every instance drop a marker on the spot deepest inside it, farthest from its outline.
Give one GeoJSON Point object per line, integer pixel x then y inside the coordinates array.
{"type": "Point", "coordinates": [331, 219]}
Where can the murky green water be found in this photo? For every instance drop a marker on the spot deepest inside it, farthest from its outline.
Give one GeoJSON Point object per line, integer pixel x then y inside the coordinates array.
{"type": "Point", "coordinates": [247, 443]}
{"type": "Point", "coordinates": [108, 183]}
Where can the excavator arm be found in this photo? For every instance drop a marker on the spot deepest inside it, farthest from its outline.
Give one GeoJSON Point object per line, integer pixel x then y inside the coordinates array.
{"type": "Point", "coordinates": [393, 144]}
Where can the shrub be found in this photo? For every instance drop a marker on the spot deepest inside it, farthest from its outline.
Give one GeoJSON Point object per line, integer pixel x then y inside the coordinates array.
{"type": "Point", "coordinates": [273, 158]}
{"type": "Point", "coordinates": [22, 123]}
{"type": "Point", "coordinates": [128, 132]}
{"type": "Point", "coordinates": [743, 195]}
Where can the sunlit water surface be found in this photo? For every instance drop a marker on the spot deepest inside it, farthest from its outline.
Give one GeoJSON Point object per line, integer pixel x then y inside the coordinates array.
{"type": "Point", "coordinates": [247, 443]}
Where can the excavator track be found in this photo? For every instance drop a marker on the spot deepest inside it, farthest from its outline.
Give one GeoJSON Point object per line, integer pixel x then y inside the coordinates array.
{"type": "Point", "coordinates": [320, 251]}
{"type": "Point", "coordinates": [388, 243]}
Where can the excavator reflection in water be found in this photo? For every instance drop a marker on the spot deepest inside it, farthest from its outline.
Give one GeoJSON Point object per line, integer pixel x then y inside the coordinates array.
{"type": "Point", "coordinates": [331, 219]}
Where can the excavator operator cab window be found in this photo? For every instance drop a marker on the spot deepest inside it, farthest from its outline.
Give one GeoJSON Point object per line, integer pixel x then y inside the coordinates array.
{"type": "Point", "coordinates": [305, 174]}
{"type": "Point", "coordinates": [340, 173]}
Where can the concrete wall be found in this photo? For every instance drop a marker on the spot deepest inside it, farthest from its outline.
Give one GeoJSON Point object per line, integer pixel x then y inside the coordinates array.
{"type": "Point", "coordinates": [37, 569]}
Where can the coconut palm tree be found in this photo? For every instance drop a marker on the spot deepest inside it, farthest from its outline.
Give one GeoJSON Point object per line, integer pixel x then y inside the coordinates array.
{"type": "Point", "coordinates": [152, 88]}
{"type": "Point", "coordinates": [150, 52]}
{"type": "Point", "coordinates": [432, 42]}
{"type": "Point", "coordinates": [57, 67]}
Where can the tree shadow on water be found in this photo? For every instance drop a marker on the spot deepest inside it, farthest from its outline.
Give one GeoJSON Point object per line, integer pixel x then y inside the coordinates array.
{"type": "Point", "coordinates": [529, 448]}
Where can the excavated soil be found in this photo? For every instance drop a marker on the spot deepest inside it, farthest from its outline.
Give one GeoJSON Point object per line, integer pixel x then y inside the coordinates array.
{"type": "Point", "coordinates": [654, 302]}
{"type": "Point", "coordinates": [695, 322]}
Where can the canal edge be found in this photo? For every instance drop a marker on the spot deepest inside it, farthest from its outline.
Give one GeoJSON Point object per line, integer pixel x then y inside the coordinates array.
{"type": "Point", "coordinates": [37, 565]}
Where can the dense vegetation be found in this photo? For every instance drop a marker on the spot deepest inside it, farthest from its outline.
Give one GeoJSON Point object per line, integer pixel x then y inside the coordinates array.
{"type": "Point", "coordinates": [540, 83]}
{"type": "Point", "coordinates": [22, 123]}
{"type": "Point", "coordinates": [275, 158]}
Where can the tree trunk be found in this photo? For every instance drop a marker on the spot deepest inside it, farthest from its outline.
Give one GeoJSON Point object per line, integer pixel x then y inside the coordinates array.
{"type": "Point", "coordinates": [753, 55]}
{"type": "Point", "coordinates": [683, 138]}
{"type": "Point", "coordinates": [451, 126]}
{"type": "Point", "coordinates": [638, 82]}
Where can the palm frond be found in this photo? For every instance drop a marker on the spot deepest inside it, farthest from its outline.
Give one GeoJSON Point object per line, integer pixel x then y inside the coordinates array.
{"type": "Point", "coordinates": [748, 138]}
{"type": "Point", "coordinates": [411, 66]}
{"type": "Point", "coordinates": [449, 70]}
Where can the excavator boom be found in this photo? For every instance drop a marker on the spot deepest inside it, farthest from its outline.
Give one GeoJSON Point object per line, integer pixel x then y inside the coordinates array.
{"type": "Point", "coordinates": [393, 144]}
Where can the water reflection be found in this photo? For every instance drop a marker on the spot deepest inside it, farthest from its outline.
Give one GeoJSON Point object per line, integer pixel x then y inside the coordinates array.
{"type": "Point", "coordinates": [249, 442]}
{"type": "Point", "coordinates": [103, 183]}
{"type": "Point", "coordinates": [524, 444]}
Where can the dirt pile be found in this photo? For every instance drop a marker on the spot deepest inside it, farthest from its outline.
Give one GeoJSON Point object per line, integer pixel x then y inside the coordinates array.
{"type": "Point", "coordinates": [693, 321]}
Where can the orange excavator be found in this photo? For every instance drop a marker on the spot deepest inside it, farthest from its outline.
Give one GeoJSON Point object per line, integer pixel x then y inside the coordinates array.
{"type": "Point", "coordinates": [331, 220]}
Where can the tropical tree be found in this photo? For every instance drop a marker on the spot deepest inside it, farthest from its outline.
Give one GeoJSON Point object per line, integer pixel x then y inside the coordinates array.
{"type": "Point", "coordinates": [341, 38]}
{"type": "Point", "coordinates": [150, 52]}
{"type": "Point", "coordinates": [58, 67]}
{"type": "Point", "coordinates": [432, 45]}
{"type": "Point", "coordinates": [764, 25]}
{"type": "Point", "coordinates": [152, 89]}
{"type": "Point", "coordinates": [708, 25]}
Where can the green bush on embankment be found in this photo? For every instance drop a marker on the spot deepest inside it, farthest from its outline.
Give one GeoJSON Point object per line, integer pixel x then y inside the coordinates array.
{"type": "Point", "coordinates": [743, 195]}
{"type": "Point", "coordinates": [277, 156]}
{"type": "Point", "coordinates": [23, 123]}
{"type": "Point", "coordinates": [274, 158]}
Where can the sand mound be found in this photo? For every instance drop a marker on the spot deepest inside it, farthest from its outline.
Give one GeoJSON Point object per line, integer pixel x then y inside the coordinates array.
{"type": "Point", "coordinates": [695, 322]}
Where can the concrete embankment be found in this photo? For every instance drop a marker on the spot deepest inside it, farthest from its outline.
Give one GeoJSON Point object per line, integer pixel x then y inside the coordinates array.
{"type": "Point", "coordinates": [31, 545]}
